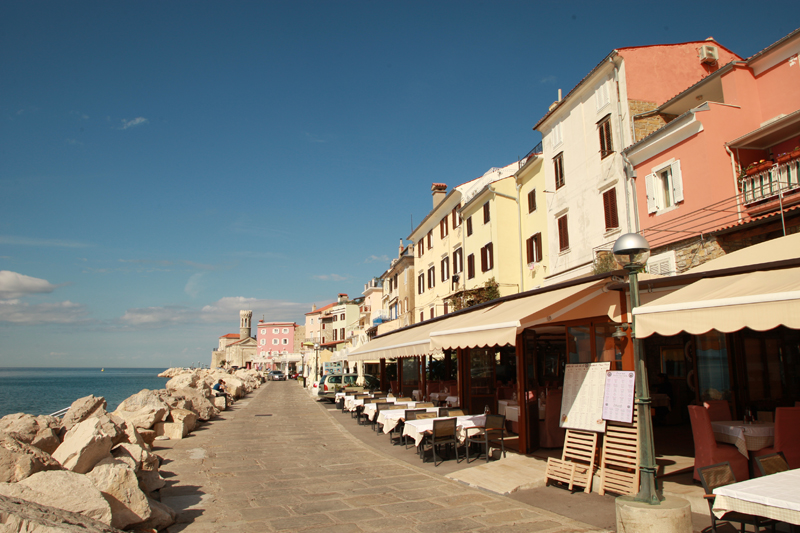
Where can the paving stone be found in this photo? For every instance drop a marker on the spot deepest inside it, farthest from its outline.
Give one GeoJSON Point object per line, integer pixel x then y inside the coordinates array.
{"type": "Point", "coordinates": [448, 526]}
{"type": "Point", "coordinates": [355, 515]}
{"type": "Point", "coordinates": [263, 513]}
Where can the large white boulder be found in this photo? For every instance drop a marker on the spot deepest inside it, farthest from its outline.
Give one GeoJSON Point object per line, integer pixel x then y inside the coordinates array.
{"type": "Point", "coordinates": [143, 463]}
{"type": "Point", "coordinates": [83, 408]}
{"type": "Point", "coordinates": [162, 516]}
{"type": "Point", "coordinates": [84, 446]}
{"type": "Point", "coordinates": [189, 379]}
{"type": "Point", "coordinates": [62, 489]}
{"type": "Point", "coordinates": [143, 409]}
{"type": "Point", "coordinates": [20, 515]}
{"type": "Point", "coordinates": [185, 417]}
{"type": "Point", "coordinates": [120, 487]}
{"type": "Point", "coordinates": [201, 405]}
{"type": "Point", "coordinates": [38, 431]}
{"type": "Point", "coordinates": [18, 460]}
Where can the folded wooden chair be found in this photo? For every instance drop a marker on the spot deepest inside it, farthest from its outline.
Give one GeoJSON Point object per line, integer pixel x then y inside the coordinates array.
{"type": "Point", "coordinates": [576, 465]}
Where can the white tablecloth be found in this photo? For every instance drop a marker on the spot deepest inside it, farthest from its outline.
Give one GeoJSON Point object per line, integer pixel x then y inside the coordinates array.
{"type": "Point", "coordinates": [503, 404]}
{"type": "Point", "coordinates": [439, 396]}
{"type": "Point", "coordinates": [745, 436]}
{"type": "Point", "coordinates": [416, 428]}
{"type": "Point", "coordinates": [776, 496]}
{"type": "Point", "coordinates": [390, 418]}
{"type": "Point", "coordinates": [452, 401]}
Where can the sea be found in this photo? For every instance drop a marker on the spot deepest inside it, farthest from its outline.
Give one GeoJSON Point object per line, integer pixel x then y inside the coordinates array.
{"type": "Point", "coordinates": [43, 391]}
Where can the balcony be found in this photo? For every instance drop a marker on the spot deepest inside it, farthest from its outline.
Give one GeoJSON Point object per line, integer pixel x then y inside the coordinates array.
{"type": "Point", "coordinates": [770, 181]}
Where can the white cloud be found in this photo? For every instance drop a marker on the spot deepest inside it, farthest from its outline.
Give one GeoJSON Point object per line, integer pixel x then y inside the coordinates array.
{"type": "Point", "coordinates": [14, 285]}
{"type": "Point", "coordinates": [329, 277]}
{"type": "Point", "coordinates": [194, 285]}
{"type": "Point", "coordinates": [18, 312]}
{"type": "Point", "coordinates": [314, 139]}
{"type": "Point", "coordinates": [548, 79]}
{"type": "Point", "coordinates": [138, 121]}
{"type": "Point", "coordinates": [223, 311]}
{"type": "Point", "coordinates": [28, 241]}
{"type": "Point", "coordinates": [377, 259]}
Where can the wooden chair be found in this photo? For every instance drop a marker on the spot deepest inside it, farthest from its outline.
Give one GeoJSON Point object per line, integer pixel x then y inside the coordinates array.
{"type": "Point", "coordinates": [707, 451]}
{"type": "Point", "coordinates": [771, 464]}
{"type": "Point", "coordinates": [455, 412]}
{"type": "Point", "coordinates": [410, 414]}
{"type": "Point", "coordinates": [492, 433]}
{"type": "Point", "coordinates": [424, 404]}
{"type": "Point", "coordinates": [765, 416]}
{"type": "Point", "coordinates": [404, 400]}
{"type": "Point", "coordinates": [619, 462]}
{"type": "Point", "coordinates": [719, 475]}
{"type": "Point", "coordinates": [378, 408]}
{"type": "Point", "coordinates": [787, 436]}
{"type": "Point", "coordinates": [576, 466]}
{"type": "Point", "coordinates": [718, 410]}
{"type": "Point", "coordinates": [444, 433]}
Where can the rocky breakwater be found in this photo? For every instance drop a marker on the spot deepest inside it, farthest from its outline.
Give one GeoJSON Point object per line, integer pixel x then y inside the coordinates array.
{"type": "Point", "coordinates": [96, 468]}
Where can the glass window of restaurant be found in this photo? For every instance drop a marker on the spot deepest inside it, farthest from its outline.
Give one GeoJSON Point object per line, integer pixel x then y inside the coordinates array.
{"type": "Point", "coordinates": [410, 376]}
{"type": "Point", "coordinates": [767, 364]}
{"type": "Point", "coordinates": [713, 376]}
{"type": "Point", "coordinates": [492, 376]}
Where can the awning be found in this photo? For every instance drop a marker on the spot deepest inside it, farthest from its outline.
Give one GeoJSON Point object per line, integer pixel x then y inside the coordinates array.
{"type": "Point", "coordinates": [403, 343]}
{"type": "Point", "coordinates": [499, 324]}
{"type": "Point", "coordinates": [760, 300]}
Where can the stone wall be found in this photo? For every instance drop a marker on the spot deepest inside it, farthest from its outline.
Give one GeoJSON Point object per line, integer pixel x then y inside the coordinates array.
{"type": "Point", "coordinates": [642, 127]}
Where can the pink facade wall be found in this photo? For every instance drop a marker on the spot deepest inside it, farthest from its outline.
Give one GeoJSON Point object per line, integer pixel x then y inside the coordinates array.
{"type": "Point", "coordinates": [779, 88]}
{"type": "Point", "coordinates": [657, 73]}
{"type": "Point", "coordinates": [284, 336]}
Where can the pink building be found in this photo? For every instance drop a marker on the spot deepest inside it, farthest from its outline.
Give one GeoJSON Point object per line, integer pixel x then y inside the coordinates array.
{"type": "Point", "coordinates": [275, 338]}
{"type": "Point", "coordinates": [724, 159]}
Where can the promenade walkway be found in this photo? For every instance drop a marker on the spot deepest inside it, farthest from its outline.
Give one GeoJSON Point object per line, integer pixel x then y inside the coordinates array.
{"type": "Point", "coordinates": [278, 461]}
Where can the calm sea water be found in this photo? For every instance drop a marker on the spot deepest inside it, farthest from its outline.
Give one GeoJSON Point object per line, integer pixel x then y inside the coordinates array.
{"type": "Point", "coordinates": [41, 391]}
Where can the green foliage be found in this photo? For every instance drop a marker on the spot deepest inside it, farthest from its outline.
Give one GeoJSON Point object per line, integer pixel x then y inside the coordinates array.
{"type": "Point", "coordinates": [468, 298]}
{"type": "Point", "coordinates": [604, 262]}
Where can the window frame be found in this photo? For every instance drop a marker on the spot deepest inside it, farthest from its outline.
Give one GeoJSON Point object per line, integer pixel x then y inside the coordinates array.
{"type": "Point", "coordinates": [458, 261]}
{"type": "Point", "coordinates": [606, 136]}
{"type": "Point", "coordinates": [487, 257]}
{"type": "Point", "coordinates": [610, 209]}
{"type": "Point", "coordinates": [563, 233]}
{"type": "Point", "coordinates": [532, 201]}
{"type": "Point", "coordinates": [421, 283]}
{"type": "Point", "coordinates": [469, 225]}
{"type": "Point", "coordinates": [533, 248]}
{"type": "Point", "coordinates": [431, 277]}
{"type": "Point", "coordinates": [430, 239]}
{"type": "Point", "coordinates": [443, 228]}
{"type": "Point", "coordinates": [456, 216]}
{"type": "Point", "coordinates": [487, 217]}
{"type": "Point", "coordinates": [445, 268]}
{"type": "Point", "coordinates": [558, 169]}
{"type": "Point", "coordinates": [471, 266]}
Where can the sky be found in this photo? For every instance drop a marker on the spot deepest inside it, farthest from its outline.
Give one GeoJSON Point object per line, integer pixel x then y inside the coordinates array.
{"type": "Point", "coordinates": [165, 164]}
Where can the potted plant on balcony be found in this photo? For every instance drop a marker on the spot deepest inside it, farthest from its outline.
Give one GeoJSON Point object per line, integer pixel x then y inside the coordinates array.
{"type": "Point", "coordinates": [765, 165]}
{"type": "Point", "coordinates": [784, 158]}
{"type": "Point", "coordinates": [751, 169]}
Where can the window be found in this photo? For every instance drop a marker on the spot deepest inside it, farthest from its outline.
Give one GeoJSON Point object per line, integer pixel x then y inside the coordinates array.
{"type": "Point", "coordinates": [487, 258]}
{"type": "Point", "coordinates": [469, 226]}
{"type": "Point", "coordinates": [534, 248]}
{"type": "Point", "coordinates": [445, 268]}
{"type": "Point", "coordinates": [341, 333]}
{"type": "Point", "coordinates": [604, 129]}
{"type": "Point", "coordinates": [470, 266]}
{"type": "Point", "coordinates": [264, 332]}
{"type": "Point", "coordinates": [662, 264]}
{"type": "Point", "coordinates": [558, 168]}
{"type": "Point", "coordinates": [664, 187]}
{"type": "Point", "coordinates": [432, 312]}
{"type": "Point", "coordinates": [285, 341]}
{"type": "Point", "coordinates": [274, 341]}
{"type": "Point", "coordinates": [556, 135]}
{"type": "Point", "coordinates": [456, 216]}
{"type": "Point", "coordinates": [443, 228]}
{"type": "Point", "coordinates": [601, 97]}
{"type": "Point", "coordinates": [263, 342]}
{"type": "Point", "coordinates": [286, 330]}
{"type": "Point", "coordinates": [486, 213]}
{"type": "Point", "coordinates": [335, 318]}
{"type": "Point", "coordinates": [563, 234]}
{"type": "Point", "coordinates": [422, 316]}
{"type": "Point", "coordinates": [336, 334]}
{"type": "Point", "coordinates": [532, 201]}
{"type": "Point", "coordinates": [458, 261]}
{"type": "Point", "coordinates": [610, 209]}
{"type": "Point", "coordinates": [420, 248]}
{"type": "Point", "coordinates": [445, 308]}
{"type": "Point", "coordinates": [341, 317]}
{"type": "Point", "coordinates": [431, 277]}
{"type": "Point", "coordinates": [275, 330]}
{"type": "Point", "coordinates": [420, 283]}
{"type": "Point", "coordinates": [430, 239]}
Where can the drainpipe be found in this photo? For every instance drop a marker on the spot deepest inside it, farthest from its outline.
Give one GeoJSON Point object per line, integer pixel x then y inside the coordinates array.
{"type": "Point", "coordinates": [519, 227]}
{"type": "Point", "coordinates": [735, 182]}
{"type": "Point", "coordinates": [622, 139]}
{"type": "Point", "coordinates": [630, 173]}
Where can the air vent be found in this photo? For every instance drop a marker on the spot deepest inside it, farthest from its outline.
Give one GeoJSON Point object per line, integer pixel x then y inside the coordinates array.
{"type": "Point", "coordinates": [709, 54]}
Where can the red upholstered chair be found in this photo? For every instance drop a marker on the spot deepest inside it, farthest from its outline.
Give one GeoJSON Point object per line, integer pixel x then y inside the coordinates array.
{"type": "Point", "coordinates": [550, 434]}
{"type": "Point", "coordinates": [719, 410]}
{"type": "Point", "coordinates": [787, 436]}
{"type": "Point", "coordinates": [708, 451]}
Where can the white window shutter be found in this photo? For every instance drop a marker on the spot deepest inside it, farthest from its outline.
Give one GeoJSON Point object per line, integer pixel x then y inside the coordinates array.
{"type": "Point", "coordinates": [650, 187]}
{"type": "Point", "coordinates": [677, 182]}
{"type": "Point", "coordinates": [598, 98]}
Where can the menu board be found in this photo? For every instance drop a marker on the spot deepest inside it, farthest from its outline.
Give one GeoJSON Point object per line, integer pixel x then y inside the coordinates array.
{"type": "Point", "coordinates": [618, 399]}
{"type": "Point", "coordinates": [582, 400]}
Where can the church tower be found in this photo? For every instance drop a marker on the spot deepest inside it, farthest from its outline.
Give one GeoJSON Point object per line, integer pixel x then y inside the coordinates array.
{"type": "Point", "coordinates": [245, 318]}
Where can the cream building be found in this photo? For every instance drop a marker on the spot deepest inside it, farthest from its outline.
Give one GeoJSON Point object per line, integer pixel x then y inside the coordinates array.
{"type": "Point", "coordinates": [532, 220]}
{"type": "Point", "coordinates": [236, 350]}
{"type": "Point", "coordinates": [398, 299]}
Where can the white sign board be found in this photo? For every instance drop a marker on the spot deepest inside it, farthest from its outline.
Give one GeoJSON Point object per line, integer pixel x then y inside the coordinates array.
{"type": "Point", "coordinates": [582, 400]}
{"type": "Point", "coordinates": [618, 399]}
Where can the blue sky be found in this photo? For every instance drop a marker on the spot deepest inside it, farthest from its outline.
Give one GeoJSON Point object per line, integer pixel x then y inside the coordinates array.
{"type": "Point", "coordinates": [165, 164]}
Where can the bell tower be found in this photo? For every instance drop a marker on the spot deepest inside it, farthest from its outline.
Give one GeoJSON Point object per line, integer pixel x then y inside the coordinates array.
{"type": "Point", "coordinates": [245, 318]}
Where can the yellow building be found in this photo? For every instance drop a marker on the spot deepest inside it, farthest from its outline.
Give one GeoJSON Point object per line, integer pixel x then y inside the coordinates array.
{"type": "Point", "coordinates": [533, 220]}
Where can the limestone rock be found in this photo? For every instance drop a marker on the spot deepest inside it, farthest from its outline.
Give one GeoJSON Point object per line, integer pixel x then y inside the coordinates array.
{"type": "Point", "coordinates": [131, 434]}
{"type": "Point", "coordinates": [83, 408]}
{"type": "Point", "coordinates": [181, 381]}
{"type": "Point", "coordinates": [161, 518]}
{"type": "Point", "coordinates": [185, 417]}
{"type": "Point", "coordinates": [19, 460]}
{"type": "Point", "coordinates": [143, 409]}
{"type": "Point", "coordinates": [120, 488]}
{"type": "Point", "coordinates": [84, 446]}
{"type": "Point", "coordinates": [148, 436]}
{"type": "Point", "coordinates": [64, 490]}
{"type": "Point", "coordinates": [144, 465]}
{"type": "Point", "coordinates": [201, 405]}
{"type": "Point", "coordinates": [39, 431]}
{"type": "Point", "coordinates": [25, 516]}
{"type": "Point", "coordinates": [221, 403]}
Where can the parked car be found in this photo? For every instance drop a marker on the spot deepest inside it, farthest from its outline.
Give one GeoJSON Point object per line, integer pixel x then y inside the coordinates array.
{"type": "Point", "coordinates": [276, 375]}
{"type": "Point", "coordinates": [333, 383]}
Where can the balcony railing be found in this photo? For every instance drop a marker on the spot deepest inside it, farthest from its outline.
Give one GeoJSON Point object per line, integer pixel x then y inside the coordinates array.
{"type": "Point", "coordinates": [768, 183]}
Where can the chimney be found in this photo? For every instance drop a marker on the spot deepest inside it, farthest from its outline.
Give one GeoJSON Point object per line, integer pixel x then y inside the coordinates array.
{"type": "Point", "coordinates": [342, 298]}
{"type": "Point", "coordinates": [439, 191]}
{"type": "Point", "coordinates": [400, 252]}
{"type": "Point", "coordinates": [313, 307]}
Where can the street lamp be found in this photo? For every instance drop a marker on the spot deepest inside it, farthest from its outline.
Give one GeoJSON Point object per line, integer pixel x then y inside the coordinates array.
{"type": "Point", "coordinates": [631, 252]}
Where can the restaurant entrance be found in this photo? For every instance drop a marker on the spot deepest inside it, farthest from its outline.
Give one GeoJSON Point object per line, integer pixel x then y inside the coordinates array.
{"type": "Point", "coordinates": [491, 374]}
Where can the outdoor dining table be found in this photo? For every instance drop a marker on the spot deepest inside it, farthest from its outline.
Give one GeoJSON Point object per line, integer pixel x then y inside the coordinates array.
{"type": "Point", "coordinates": [452, 401]}
{"type": "Point", "coordinates": [392, 417]}
{"type": "Point", "coordinates": [439, 396]}
{"type": "Point", "coordinates": [775, 496]}
{"type": "Point", "coordinates": [417, 428]}
{"type": "Point", "coordinates": [746, 437]}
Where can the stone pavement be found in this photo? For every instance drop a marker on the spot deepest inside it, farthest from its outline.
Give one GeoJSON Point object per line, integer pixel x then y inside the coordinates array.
{"type": "Point", "coordinates": [278, 461]}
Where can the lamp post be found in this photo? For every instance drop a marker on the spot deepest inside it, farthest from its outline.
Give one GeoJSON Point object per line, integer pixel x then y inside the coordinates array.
{"type": "Point", "coordinates": [631, 252]}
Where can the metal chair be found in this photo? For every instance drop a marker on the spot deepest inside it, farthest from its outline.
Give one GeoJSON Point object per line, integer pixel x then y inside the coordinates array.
{"type": "Point", "coordinates": [493, 432]}
{"type": "Point", "coordinates": [772, 463]}
{"type": "Point", "coordinates": [411, 414]}
{"type": "Point", "coordinates": [719, 475]}
{"type": "Point", "coordinates": [378, 408]}
{"type": "Point", "coordinates": [443, 433]}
